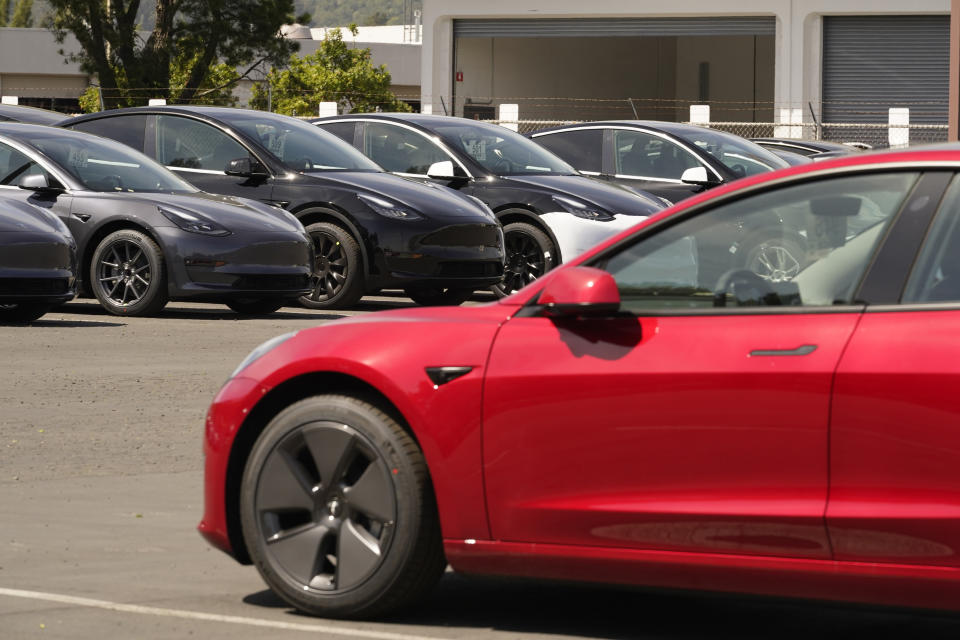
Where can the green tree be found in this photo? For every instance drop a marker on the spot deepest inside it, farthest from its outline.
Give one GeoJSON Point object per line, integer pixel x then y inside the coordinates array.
{"type": "Point", "coordinates": [22, 15]}
{"type": "Point", "coordinates": [337, 73]}
{"type": "Point", "coordinates": [189, 40]}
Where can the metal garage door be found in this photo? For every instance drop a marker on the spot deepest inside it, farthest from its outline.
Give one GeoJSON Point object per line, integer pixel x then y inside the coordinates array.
{"type": "Point", "coordinates": [871, 63]}
{"type": "Point", "coordinates": [553, 28]}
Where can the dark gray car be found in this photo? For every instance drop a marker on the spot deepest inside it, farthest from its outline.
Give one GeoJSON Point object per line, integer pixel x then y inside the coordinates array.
{"type": "Point", "coordinates": [145, 236]}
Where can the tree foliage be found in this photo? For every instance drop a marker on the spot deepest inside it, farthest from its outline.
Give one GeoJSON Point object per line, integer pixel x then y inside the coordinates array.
{"type": "Point", "coordinates": [337, 13]}
{"type": "Point", "coordinates": [19, 14]}
{"type": "Point", "coordinates": [182, 58]}
{"type": "Point", "coordinates": [335, 73]}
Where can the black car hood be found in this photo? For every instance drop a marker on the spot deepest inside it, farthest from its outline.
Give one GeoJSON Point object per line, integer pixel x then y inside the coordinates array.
{"type": "Point", "coordinates": [432, 200]}
{"type": "Point", "coordinates": [236, 214]}
{"type": "Point", "coordinates": [611, 198]}
{"type": "Point", "coordinates": [17, 216]}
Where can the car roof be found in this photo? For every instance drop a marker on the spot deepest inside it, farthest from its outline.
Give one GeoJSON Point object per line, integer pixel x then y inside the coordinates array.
{"type": "Point", "coordinates": [821, 145]}
{"type": "Point", "coordinates": [21, 113]}
{"type": "Point", "coordinates": [674, 128]}
{"type": "Point", "coordinates": [422, 119]}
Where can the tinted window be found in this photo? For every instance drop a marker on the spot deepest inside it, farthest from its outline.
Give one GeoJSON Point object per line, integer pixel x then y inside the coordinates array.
{"type": "Point", "coordinates": [191, 144]}
{"type": "Point", "coordinates": [644, 155]}
{"type": "Point", "coordinates": [399, 149]}
{"type": "Point", "coordinates": [343, 130]}
{"type": "Point", "coordinates": [500, 150]}
{"type": "Point", "coordinates": [583, 149]}
{"type": "Point", "coordinates": [14, 165]}
{"type": "Point", "coordinates": [126, 129]}
{"type": "Point", "coordinates": [936, 277]}
{"type": "Point", "coordinates": [740, 156]}
{"type": "Point", "coordinates": [742, 255]}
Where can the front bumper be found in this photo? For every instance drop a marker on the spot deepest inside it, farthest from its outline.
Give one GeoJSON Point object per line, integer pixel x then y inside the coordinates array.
{"type": "Point", "coordinates": [456, 255]}
{"type": "Point", "coordinates": [576, 235]}
{"type": "Point", "coordinates": [37, 267]}
{"type": "Point", "coordinates": [248, 265]}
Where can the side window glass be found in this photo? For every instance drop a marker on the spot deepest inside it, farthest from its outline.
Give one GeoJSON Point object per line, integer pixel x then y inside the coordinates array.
{"type": "Point", "coordinates": [936, 277]}
{"type": "Point", "coordinates": [400, 150]}
{"type": "Point", "coordinates": [583, 149]}
{"type": "Point", "coordinates": [126, 129]}
{"type": "Point", "coordinates": [644, 155]}
{"type": "Point", "coordinates": [343, 130]}
{"type": "Point", "coordinates": [807, 245]}
{"type": "Point", "coordinates": [182, 142]}
{"type": "Point", "coordinates": [14, 165]}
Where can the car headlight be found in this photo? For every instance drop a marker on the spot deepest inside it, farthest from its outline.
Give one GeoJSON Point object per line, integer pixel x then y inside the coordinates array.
{"type": "Point", "coordinates": [193, 222]}
{"type": "Point", "coordinates": [582, 209]}
{"type": "Point", "coordinates": [261, 351]}
{"type": "Point", "coordinates": [486, 209]}
{"type": "Point", "coordinates": [389, 209]}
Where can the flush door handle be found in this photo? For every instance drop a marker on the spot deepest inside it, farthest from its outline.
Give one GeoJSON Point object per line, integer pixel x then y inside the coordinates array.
{"type": "Point", "coordinates": [803, 350]}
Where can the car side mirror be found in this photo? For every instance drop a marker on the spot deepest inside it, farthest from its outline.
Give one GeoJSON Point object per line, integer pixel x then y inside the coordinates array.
{"type": "Point", "coordinates": [245, 168]}
{"type": "Point", "coordinates": [445, 170]}
{"type": "Point", "coordinates": [580, 291]}
{"type": "Point", "coordinates": [697, 176]}
{"type": "Point", "coordinates": [38, 182]}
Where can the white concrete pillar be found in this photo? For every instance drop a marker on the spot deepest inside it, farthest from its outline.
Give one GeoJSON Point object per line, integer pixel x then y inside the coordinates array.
{"type": "Point", "coordinates": [899, 133]}
{"type": "Point", "coordinates": [510, 116]}
{"type": "Point", "coordinates": [327, 109]}
{"type": "Point", "coordinates": [426, 107]}
{"type": "Point", "coordinates": [157, 102]}
{"type": "Point", "coordinates": [700, 114]}
{"type": "Point", "coordinates": [9, 100]}
{"type": "Point", "coordinates": [791, 124]}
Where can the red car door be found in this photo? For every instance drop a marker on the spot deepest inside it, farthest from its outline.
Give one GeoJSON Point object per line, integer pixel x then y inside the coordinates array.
{"type": "Point", "coordinates": [895, 436]}
{"type": "Point", "coordinates": [698, 421]}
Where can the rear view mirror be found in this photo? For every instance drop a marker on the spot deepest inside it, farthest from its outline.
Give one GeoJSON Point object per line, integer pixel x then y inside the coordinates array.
{"type": "Point", "coordinates": [580, 291]}
{"type": "Point", "coordinates": [697, 176]}
{"type": "Point", "coordinates": [836, 206]}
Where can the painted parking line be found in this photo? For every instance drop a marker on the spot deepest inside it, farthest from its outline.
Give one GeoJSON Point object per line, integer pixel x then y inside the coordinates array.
{"type": "Point", "coordinates": [208, 617]}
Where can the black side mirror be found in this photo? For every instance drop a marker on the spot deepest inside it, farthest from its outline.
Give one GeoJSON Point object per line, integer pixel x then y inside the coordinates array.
{"type": "Point", "coordinates": [38, 182]}
{"type": "Point", "coordinates": [245, 168]}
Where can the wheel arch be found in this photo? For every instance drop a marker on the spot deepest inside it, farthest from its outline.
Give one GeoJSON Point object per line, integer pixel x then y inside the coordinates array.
{"type": "Point", "coordinates": [511, 213]}
{"type": "Point", "coordinates": [102, 232]}
{"type": "Point", "coordinates": [319, 212]}
{"type": "Point", "coordinates": [270, 405]}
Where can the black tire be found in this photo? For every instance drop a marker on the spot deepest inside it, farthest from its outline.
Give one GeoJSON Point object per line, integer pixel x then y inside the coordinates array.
{"type": "Point", "coordinates": [328, 472]}
{"type": "Point", "coordinates": [529, 255]}
{"type": "Point", "coordinates": [128, 275]}
{"type": "Point", "coordinates": [23, 312]}
{"type": "Point", "coordinates": [337, 273]}
{"type": "Point", "coordinates": [775, 257]}
{"type": "Point", "coordinates": [255, 306]}
{"type": "Point", "coordinates": [438, 296]}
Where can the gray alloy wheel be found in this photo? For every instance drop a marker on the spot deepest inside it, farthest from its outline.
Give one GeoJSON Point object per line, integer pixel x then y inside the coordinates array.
{"type": "Point", "coordinates": [337, 511]}
{"type": "Point", "coordinates": [337, 278]}
{"type": "Point", "coordinates": [127, 274]}
{"type": "Point", "coordinates": [23, 312]}
{"type": "Point", "coordinates": [529, 255]}
{"type": "Point", "coordinates": [438, 296]}
{"type": "Point", "coordinates": [255, 306]}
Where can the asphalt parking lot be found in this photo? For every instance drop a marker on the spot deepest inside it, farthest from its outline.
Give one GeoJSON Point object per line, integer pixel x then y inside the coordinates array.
{"type": "Point", "coordinates": [100, 488]}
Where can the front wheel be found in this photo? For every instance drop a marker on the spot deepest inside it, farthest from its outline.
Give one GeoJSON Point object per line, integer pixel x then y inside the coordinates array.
{"type": "Point", "coordinates": [529, 255]}
{"type": "Point", "coordinates": [438, 296]}
{"type": "Point", "coordinates": [24, 312]}
{"type": "Point", "coordinates": [337, 279]}
{"type": "Point", "coordinates": [127, 274]}
{"type": "Point", "coordinates": [337, 510]}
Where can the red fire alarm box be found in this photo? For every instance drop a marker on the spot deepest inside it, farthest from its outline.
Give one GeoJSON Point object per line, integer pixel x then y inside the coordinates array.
{"type": "Point", "coordinates": [459, 76]}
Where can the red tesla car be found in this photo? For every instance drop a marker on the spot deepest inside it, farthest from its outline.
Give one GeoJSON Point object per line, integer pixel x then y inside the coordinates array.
{"type": "Point", "coordinates": [756, 391]}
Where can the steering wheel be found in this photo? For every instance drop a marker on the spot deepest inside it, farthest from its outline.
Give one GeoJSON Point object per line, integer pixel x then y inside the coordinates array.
{"type": "Point", "coordinates": [747, 288]}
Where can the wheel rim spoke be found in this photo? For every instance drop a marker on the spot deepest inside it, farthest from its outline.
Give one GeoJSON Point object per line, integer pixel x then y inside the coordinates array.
{"type": "Point", "coordinates": [371, 494]}
{"type": "Point", "coordinates": [357, 554]}
{"type": "Point", "coordinates": [284, 485]}
{"type": "Point", "coordinates": [298, 551]}
{"type": "Point", "coordinates": [331, 450]}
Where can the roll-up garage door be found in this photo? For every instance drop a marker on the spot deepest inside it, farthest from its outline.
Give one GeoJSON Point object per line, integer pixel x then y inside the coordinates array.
{"type": "Point", "coordinates": [872, 63]}
{"type": "Point", "coordinates": [599, 27]}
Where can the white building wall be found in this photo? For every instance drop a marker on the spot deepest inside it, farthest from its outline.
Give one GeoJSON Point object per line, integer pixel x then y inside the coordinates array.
{"type": "Point", "coordinates": [797, 49]}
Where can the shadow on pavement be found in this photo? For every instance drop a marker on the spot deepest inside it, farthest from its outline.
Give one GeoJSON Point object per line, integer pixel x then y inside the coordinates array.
{"type": "Point", "coordinates": [520, 606]}
{"type": "Point", "coordinates": [214, 312]}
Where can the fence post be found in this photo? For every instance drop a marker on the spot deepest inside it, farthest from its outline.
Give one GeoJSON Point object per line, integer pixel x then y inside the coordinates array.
{"type": "Point", "coordinates": [510, 116]}
{"type": "Point", "coordinates": [899, 120]}
{"type": "Point", "coordinates": [700, 114]}
{"type": "Point", "coordinates": [327, 109]}
{"type": "Point", "coordinates": [14, 100]}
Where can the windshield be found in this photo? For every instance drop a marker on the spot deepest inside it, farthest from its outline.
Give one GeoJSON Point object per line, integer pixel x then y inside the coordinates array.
{"type": "Point", "coordinates": [301, 145]}
{"type": "Point", "coordinates": [500, 150]}
{"type": "Point", "coordinates": [104, 165]}
{"type": "Point", "coordinates": [741, 157]}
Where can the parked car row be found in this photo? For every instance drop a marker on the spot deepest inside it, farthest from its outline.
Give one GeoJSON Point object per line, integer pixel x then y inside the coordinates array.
{"type": "Point", "coordinates": [471, 205]}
